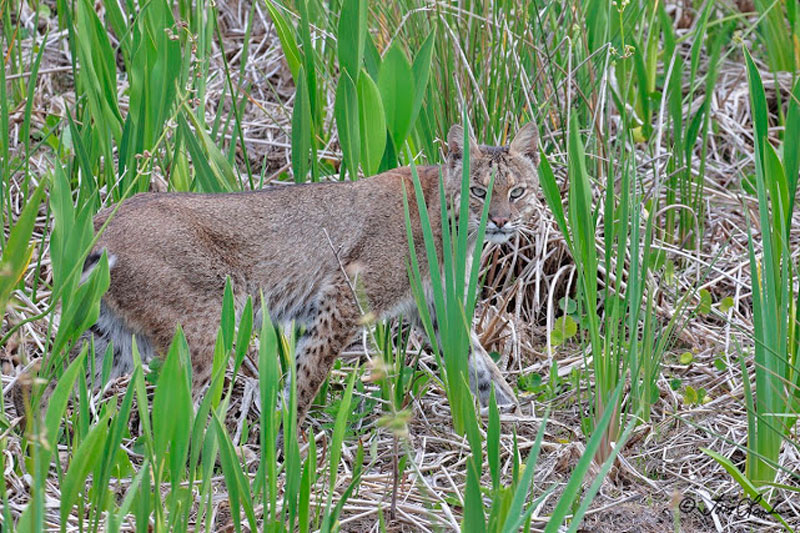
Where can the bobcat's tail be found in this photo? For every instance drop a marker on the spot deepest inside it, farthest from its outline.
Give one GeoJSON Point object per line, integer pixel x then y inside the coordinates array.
{"type": "Point", "coordinates": [91, 263]}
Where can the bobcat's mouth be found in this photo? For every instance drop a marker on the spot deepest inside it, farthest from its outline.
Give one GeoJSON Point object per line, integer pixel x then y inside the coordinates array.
{"type": "Point", "coordinates": [498, 235]}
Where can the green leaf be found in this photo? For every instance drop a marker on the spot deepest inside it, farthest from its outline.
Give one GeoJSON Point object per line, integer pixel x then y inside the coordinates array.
{"type": "Point", "coordinates": [566, 503]}
{"type": "Point", "coordinates": [154, 75]}
{"type": "Point", "coordinates": [172, 407]}
{"type": "Point", "coordinates": [372, 125]}
{"type": "Point", "coordinates": [493, 441]}
{"type": "Point", "coordinates": [244, 334]}
{"type": "Point", "coordinates": [268, 379]}
{"type": "Point", "coordinates": [301, 130]}
{"type": "Point", "coordinates": [779, 190]}
{"type": "Point", "coordinates": [98, 73]}
{"type": "Point", "coordinates": [657, 259]}
{"type": "Point", "coordinates": [702, 396]}
{"type": "Point", "coordinates": [749, 488]}
{"type": "Point", "coordinates": [82, 308]}
{"type": "Point", "coordinates": [704, 307]}
{"type": "Point", "coordinates": [115, 436]}
{"type": "Point", "coordinates": [346, 112]}
{"type": "Point", "coordinates": [564, 329]}
{"type": "Point", "coordinates": [669, 272]}
{"type": "Point", "coordinates": [355, 481]}
{"type": "Point", "coordinates": [116, 19]}
{"type": "Point", "coordinates": [599, 477]}
{"type": "Point", "coordinates": [568, 305]}
{"type": "Point", "coordinates": [18, 249]}
{"type": "Point", "coordinates": [352, 34]}
{"type": "Point", "coordinates": [68, 239]}
{"type": "Point", "coordinates": [758, 103]}
{"type": "Point", "coordinates": [115, 520]}
{"type": "Point", "coordinates": [529, 382]}
{"type": "Point", "coordinates": [726, 304]}
{"type": "Point", "coordinates": [690, 395]}
{"type": "Point", "coordinates": [26, 121]}
{"type": "Point", "coordinates": [307, 481]}
{"type": "Point", "coordinates": [686, 358]}
{"type": "Point", "coordinates": [372, 58]}
{"type": "Point", "coordinates": [219, 163]}
{"type": "Point", "coordinates": [396, 86]}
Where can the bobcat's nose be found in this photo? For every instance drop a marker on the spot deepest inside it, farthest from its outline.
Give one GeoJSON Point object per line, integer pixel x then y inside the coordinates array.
{"type": "Point", "coordinates": [499, 221]}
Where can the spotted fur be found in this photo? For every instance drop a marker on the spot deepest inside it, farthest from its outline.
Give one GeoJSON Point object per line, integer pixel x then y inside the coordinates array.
{"type": "Point", "coordinates": [173, 251]}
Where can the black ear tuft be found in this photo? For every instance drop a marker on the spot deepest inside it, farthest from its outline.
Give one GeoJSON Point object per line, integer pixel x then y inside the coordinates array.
{"type": "Point", "coordinates": [526, 143]}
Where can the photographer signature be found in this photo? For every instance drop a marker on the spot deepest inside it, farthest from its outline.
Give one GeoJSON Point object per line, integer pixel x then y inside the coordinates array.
{"type": "Point", "coordinates": [741, 507]}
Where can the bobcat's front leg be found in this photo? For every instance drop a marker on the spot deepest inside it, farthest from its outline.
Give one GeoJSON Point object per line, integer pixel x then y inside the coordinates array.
{"type": "Point", "coordinates": [483, 373]}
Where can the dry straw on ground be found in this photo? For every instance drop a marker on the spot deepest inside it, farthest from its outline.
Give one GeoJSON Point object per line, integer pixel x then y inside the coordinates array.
{"type": "Point", "coordinates": [660, 465]}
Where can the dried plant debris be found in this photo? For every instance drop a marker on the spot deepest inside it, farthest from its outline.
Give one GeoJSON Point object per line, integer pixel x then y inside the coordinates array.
{"type": "Point", "coordinates": [661, 481]}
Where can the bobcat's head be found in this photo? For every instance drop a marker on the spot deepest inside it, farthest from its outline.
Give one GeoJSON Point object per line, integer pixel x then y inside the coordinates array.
{"type": "Point", "coordinates": [516, 181]}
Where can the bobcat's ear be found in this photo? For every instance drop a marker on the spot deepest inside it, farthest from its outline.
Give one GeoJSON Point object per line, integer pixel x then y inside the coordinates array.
{"type": "Point", "coordinates": [526, 143]}
{"type": "Point", "coordinates": [455, 143]}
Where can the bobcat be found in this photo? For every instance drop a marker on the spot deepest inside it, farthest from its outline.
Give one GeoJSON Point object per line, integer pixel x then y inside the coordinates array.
{"type": "Point", "coordinates": [170, 253]}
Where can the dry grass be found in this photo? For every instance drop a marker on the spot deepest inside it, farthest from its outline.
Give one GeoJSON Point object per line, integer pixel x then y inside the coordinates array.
{"type": "Point", "coordinates": [662, 462]}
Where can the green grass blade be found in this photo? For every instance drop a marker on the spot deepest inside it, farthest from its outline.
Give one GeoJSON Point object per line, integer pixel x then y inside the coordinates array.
{"type": "Point", "coordinates": [523, 486]}
{"type": "Point", "coordinates": [286, 36]}
{"type": "Point", "coordinates": [474, 516]}
{"type": "Point", "coordinates": [235, 480]}
{"type": "Point", "coordinates": [83, 460]}
{"type": "Point", "coordinates": [422, 70]}
{"type": "Point", "coordinates": [207, 180]}
{"type": "Point", "coordinates": [565, 503]}
{"type": "Point", "coordinates": [493, 441]}
{"type": "Point", "coordinates": [791, 138]}
{"type": "Point", "coordinates": [58, 400]}
{"type": "Point", "coordinates": [748, 487]}
{"type": "Point", "coordinates": [243, 335]}
{"type": "Point", "coordinates": [339, 428]}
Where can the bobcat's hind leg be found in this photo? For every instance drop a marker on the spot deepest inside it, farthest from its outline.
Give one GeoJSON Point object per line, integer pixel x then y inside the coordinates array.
{"type": "Point", "coordinates": [111, 330]}
{"type": "Point", "coordinates": [332, 328]}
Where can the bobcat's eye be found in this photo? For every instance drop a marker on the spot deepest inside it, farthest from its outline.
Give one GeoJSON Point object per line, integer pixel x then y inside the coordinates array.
{"type": "Point", "coordinates": [479, 192]}
{"type": "Point", "coordinates": [516, 192]}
